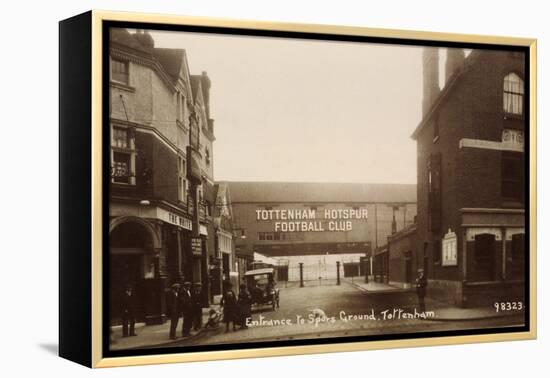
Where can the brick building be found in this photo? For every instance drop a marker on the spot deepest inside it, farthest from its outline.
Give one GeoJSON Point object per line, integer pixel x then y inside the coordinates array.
{"type": "Point", "coordinates": [162, 227]}
{"type": "Point", "coordinates": [317, 224]}
{"type": "Point", "coordinates": [471, 187]}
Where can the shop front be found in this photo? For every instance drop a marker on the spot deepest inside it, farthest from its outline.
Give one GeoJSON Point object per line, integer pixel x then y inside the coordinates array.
{"type": "Point", "coordinates": [134, 254]}
{"type": "Point", "coordinates": [149, 249]}
{"type": "Point", "coordinates": [493, 253]}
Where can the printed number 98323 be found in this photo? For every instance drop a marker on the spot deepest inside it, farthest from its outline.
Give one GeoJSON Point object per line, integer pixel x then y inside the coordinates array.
{"type": "Point", "coordinates": [508, 306]}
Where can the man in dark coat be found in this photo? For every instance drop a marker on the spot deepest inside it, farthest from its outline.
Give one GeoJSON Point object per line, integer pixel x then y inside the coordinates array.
{"type": "Point", "coordinates": [174, 309]}
{"type": "Point", "coordinates": [244, 304]}
{"type": "Point", "coordinates": [196, 304]}
{"type": "Point", "coordinates": [187, 308]}
{"type": "Point", "coordinates": [229, 304]}
{"type": "Point", "coordinates": [421, 283]}
{"type": "Point", "coordinates": [128, 312]}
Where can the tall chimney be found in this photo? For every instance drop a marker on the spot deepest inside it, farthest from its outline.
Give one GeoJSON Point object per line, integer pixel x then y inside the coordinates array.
{"type": "Point", "coordinates": [206, 84]}
{"type": "Point", "coordinates": [455, 59]}
{"type": "Point", "coordinates": [144, 38]}
{"type": "Point", "coordinates": [430, 72]}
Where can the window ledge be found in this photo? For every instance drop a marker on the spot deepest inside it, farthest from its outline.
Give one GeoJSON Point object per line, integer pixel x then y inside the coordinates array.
{"type": "Point", "coordinates": [122, 86]}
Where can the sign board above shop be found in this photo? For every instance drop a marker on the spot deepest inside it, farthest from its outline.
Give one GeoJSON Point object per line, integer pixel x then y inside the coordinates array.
{"type": "Point", "coordinates": [177, 220]}
{"type": "Point", "coordinates": [152, 212]}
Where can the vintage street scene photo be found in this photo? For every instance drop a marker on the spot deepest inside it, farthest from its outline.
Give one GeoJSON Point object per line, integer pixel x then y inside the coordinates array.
{"type": "Point", "coordinates": [266, 189]}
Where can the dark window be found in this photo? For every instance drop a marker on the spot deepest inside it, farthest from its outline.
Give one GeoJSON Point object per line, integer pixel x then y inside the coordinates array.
{"type": "Point", "coordinates": [512, 174]}
{"type": "Point", "coordinates": [261, 235]}
{"type": "Point", "coordinates": [484, 257]}
{"type": "Point", "coordinates": [119, 71]}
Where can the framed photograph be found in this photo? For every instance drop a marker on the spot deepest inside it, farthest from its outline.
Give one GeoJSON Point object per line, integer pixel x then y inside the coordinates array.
{"type": "Point", "coordinates": [234, 189]}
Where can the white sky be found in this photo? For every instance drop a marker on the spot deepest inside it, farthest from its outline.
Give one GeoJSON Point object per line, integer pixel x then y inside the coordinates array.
{"type": "Point", "coordinates": [305, 110]}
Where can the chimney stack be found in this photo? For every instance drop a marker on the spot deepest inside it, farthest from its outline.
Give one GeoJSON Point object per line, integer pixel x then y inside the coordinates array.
{"type": "Point", "coordinates": [455, 59]}
{"type": "Point", "coordinates": [206, 84]}
{"type": "Point", "coordinates": [430, 72]}
{"type": "Point", "coordinates": [144, 38]}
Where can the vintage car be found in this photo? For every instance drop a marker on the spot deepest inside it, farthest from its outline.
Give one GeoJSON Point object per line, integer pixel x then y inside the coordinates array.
{"type": "Point", "coordinates": [261, 284]}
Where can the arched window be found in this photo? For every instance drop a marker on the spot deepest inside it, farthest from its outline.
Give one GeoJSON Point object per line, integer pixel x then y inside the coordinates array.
{"type": "Point", "coordinates": [513, 94]}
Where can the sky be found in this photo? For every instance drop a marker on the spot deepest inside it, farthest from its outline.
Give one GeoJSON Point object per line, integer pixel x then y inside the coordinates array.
{"type": "Point", "coordinates": [306, 110]}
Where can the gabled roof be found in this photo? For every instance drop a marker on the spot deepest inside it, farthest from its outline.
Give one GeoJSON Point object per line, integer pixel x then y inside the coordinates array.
{"type": "Point", "coordinates": [171, 60]}
{"type": "Point", "coordinates": [316, 192]}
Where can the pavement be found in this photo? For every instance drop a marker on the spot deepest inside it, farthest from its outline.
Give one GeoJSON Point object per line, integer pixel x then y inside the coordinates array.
{"type": "Point", "coordinates": [444, 311]}
{"type": "Point", "coordinates": [151, 335]}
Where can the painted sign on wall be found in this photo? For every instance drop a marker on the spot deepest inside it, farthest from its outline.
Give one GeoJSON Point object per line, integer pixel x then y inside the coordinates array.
{"type": "Point", "coordinates": [311, 220]}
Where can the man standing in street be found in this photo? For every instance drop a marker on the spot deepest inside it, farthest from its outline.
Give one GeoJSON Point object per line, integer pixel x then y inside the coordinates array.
{"type": "Point", "coordinates": [128, 312]}
{"type": "Point", "coordinates": [187, 309]}
{"type": "Point", "coordinates": [421, 284]}
{"type": "Point", "coordinates": [174, 309]}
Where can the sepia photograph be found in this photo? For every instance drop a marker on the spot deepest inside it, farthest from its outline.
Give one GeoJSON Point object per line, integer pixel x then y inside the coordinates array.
{"type": "Point", "coordinates": [280, 190]}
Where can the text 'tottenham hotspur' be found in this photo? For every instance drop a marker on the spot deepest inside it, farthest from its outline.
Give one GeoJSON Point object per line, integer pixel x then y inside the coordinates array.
{"type": "Point", "coordinates": [307, 220]}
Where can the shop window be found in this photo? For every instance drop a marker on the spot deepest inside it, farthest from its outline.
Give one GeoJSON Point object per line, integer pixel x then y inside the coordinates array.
{"type": "Point", "coordinates": [120, 71]}
{"type": "Point", "coordinates": [513, 94]}
{"type": "Point", "coordinates": [512, 176]}
{"type": "Point", "coordinates": [484, 257]}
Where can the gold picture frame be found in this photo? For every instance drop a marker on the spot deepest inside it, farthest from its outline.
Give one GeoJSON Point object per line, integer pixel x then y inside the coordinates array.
{"type": "Point", "coordinates": [83, 102]}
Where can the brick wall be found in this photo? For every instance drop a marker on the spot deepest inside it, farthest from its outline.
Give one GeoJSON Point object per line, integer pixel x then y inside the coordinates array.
{"type": "Point", "coordinates": [469, 177]}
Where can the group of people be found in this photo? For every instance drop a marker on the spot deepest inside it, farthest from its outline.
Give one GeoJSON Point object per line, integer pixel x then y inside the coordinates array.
{"type": "Point", "coordinates": [185, 301]}
{"type": "Point", "coordinates": [236, 308]}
